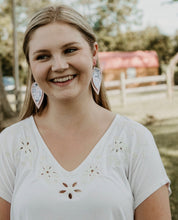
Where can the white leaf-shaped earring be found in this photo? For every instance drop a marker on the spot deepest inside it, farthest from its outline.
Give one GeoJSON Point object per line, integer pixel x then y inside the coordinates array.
{"type": "Point", "coordinates": [37, 94]}
{"type": "Point", "coordinates": [96, 80]}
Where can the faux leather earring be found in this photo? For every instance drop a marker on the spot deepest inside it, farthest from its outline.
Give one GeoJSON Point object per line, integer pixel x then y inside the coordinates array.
{"type": "Point", "coordinates": [37, 94]}
{"type": "Point", "coordinates": [96, 80]}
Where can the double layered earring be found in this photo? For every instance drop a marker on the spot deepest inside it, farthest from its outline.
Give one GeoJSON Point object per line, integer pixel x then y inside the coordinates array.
{"type": "Point", "coordinates": [96, 80]}
{"type": "Point", "coordinates": [37, 94]}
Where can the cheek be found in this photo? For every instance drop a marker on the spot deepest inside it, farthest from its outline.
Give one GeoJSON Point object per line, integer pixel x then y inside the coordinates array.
{"type": "Point", "coordinates": [38, 71]}
{"type": "Point", "coordinates": [84, 63]}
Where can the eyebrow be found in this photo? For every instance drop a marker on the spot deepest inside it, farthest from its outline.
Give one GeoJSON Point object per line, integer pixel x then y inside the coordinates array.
{"type": "Point", "coordinates": [40, 51]}
{"type": "Point", "coordinates": [70, 44]}
{"type": "Point", "coordinates": [64, 46]}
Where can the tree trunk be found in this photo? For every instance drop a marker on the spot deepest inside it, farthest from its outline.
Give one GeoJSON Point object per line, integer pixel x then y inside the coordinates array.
{"type": "Point", "coordinates": [6, 111]}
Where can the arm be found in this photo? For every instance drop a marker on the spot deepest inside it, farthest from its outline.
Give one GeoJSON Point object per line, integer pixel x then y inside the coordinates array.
{"type": "Point", "coordinates": [155, 207]}
{"type": "Point", "coordinates": [4, 209]}
{"type": "Point", "coordinates": [7, 172]}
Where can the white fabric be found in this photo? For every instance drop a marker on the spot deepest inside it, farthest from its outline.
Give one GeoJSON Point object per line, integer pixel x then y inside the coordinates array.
{"type": "Point", "coordinates": [121, 171]}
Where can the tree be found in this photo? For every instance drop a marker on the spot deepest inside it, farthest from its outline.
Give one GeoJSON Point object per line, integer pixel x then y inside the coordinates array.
{"type": "Point", "coordinates": [23, 8]}
{"type": "Point", "coordinates": [148, 39]}
{"type": "Point", "coordinates": [5, 108]}
{"type": "Point", "coordinates": [6, 37]}
{"type": "Point", "coordinates": [109, 17]}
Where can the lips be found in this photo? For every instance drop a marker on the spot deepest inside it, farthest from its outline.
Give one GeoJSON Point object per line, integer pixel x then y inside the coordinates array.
{"type": "Point", "coordinates": [63, 79]}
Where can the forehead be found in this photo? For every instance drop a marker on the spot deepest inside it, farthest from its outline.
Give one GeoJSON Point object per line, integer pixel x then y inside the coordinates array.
{"type": "Point", "coordinates": [56, 32]}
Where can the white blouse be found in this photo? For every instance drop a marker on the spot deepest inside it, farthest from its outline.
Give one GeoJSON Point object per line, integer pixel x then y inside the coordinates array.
{"type": "Point", "coordinates": [122, 170]}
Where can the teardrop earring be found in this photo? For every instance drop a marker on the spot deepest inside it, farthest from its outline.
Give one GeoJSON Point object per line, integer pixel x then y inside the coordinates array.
{"type": "Point", "coordinates": [37, 94]}
{"type": "Point", "coordinates": [96, 80]}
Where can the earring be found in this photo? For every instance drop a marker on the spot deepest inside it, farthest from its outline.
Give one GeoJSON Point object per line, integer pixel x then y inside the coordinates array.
{"type": "Point", "coordinates": [96, 80]}
{"type": "Point", "coordinates": [37, 94]}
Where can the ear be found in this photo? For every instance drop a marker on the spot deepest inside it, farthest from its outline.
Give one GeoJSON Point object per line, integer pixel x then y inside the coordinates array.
{"type": "Point", "coordinates": [95, 52]}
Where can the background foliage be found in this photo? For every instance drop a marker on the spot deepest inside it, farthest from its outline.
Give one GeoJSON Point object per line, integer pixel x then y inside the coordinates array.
{"type": "Point", "coordinates": [111, 21]}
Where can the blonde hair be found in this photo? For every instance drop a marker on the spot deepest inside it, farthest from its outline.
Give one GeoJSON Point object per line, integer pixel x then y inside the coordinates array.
{"type": "Point", "coordinates": [46, 16]}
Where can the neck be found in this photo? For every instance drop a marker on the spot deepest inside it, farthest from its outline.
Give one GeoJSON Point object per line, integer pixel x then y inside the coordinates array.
{"type": "Point", "coordinates": [69, 115]}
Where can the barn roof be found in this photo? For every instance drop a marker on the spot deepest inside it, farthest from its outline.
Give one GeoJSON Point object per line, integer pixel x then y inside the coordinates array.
{"type": "Point", "coordinates": [118, 59]}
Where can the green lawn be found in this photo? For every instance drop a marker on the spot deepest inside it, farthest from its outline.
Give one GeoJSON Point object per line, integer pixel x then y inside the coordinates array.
{"type": "Point", "coordinates": [166, 137]}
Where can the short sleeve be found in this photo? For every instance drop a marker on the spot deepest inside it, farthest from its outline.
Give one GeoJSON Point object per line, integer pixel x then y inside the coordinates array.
{"type": "Point", "coordinates": [7, 166]}
{"type": "Point", "coordinates": [146, 170]}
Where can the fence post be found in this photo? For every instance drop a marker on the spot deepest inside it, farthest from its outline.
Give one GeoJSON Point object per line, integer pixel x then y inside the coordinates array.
{"type": "Point", "coordinates": [169, 86]}
{"type": "Point", "coordinates": [123, 88]}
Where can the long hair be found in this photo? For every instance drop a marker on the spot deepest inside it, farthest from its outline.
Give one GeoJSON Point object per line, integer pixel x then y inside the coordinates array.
{"type": "Point", "coordinates": [46, 16]}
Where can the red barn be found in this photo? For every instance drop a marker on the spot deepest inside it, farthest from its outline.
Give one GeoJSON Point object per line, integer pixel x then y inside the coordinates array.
{"type": "Point", "coordinates": [133, 64]}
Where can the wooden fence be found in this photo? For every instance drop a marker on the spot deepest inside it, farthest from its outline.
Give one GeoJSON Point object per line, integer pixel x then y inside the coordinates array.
{"type": "Point", "coordinates": [161, 83]}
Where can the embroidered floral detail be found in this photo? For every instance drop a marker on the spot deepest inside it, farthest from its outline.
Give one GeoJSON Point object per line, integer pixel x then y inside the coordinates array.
{"type": "Point", "coordinates": [93, 171]}
{"type": "Point", "coordinates": [23, 153]}
{"type": "Point", "coordinates": [25, 147]}
{"type": "Point", "coordinates": [49, 174]}
{"type": "Point", "coordinates": [47, 171]}
{"type": "Point", "coordinates": [118, 146]}
{"type": "Point", "coordinates": [70, 189]}
{"type": "Point", "coordinates": [117, 153]}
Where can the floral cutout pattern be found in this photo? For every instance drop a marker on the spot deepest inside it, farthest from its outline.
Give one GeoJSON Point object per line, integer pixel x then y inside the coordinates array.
{"type": "Point", "coordinates": [118, 146]}
{"type": "Point", "coordinates": [70, 189]}
{"type": "Point", "coordinates": [47, 172]}
{"type": "Point", "coordinates": [25, 147]}
{"type": "Point", "coordinates": [117, 153]}
{"type": "Point", "coordinates": [93, 171]}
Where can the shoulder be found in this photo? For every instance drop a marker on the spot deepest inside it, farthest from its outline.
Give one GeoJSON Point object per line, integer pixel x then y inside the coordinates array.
{"type": "Point", "coordinates": [13, 132]}
{"type": "Point", "coordinates": [16, 126]}
{"type": "Point", "coordinates": [131, 127]}
{"type": "Point", "coordinates": [135, 135]}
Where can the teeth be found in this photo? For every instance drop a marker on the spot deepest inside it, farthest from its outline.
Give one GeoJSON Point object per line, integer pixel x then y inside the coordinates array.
{"type": "Point", "coordinates": [64, 79]}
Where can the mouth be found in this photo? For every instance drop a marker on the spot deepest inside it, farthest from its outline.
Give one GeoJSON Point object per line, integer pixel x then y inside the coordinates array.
{"type": "Point", "coordinates": [63, 79]}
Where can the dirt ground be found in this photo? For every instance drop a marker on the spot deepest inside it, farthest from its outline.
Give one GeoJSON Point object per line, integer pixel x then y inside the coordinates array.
{"type": "Point", "coordinates": [146, 108]}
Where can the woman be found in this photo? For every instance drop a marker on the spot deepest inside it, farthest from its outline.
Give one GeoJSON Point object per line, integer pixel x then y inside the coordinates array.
{"type": "Point", "coordinates": [70, 157]}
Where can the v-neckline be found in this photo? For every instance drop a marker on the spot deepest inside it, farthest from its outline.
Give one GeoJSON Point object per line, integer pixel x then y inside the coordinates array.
{"type": "Point", "coordinates": [86, 159]}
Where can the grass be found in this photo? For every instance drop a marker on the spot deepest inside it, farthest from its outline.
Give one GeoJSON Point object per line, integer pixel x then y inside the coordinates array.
{"type": "Point", "coordinates": [166, 137]}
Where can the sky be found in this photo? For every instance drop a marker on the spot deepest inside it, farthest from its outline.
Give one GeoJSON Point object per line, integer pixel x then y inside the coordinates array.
{"type": "Point", "coordinates": [157, 13]}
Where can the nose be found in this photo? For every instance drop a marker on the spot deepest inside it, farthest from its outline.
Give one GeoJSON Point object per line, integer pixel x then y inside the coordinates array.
{"type": "Point", "coordinates": [59, 64]}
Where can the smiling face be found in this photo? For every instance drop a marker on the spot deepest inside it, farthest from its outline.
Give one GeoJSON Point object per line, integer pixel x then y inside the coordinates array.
{"type": "Point", "coordinates": [61, 61]}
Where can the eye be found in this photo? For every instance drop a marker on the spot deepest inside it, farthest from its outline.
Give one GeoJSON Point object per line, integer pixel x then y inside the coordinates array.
{"type": "Point", "coordinates": [70, 50]}
{"type": "Point", "coordinates": [42, 57]}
